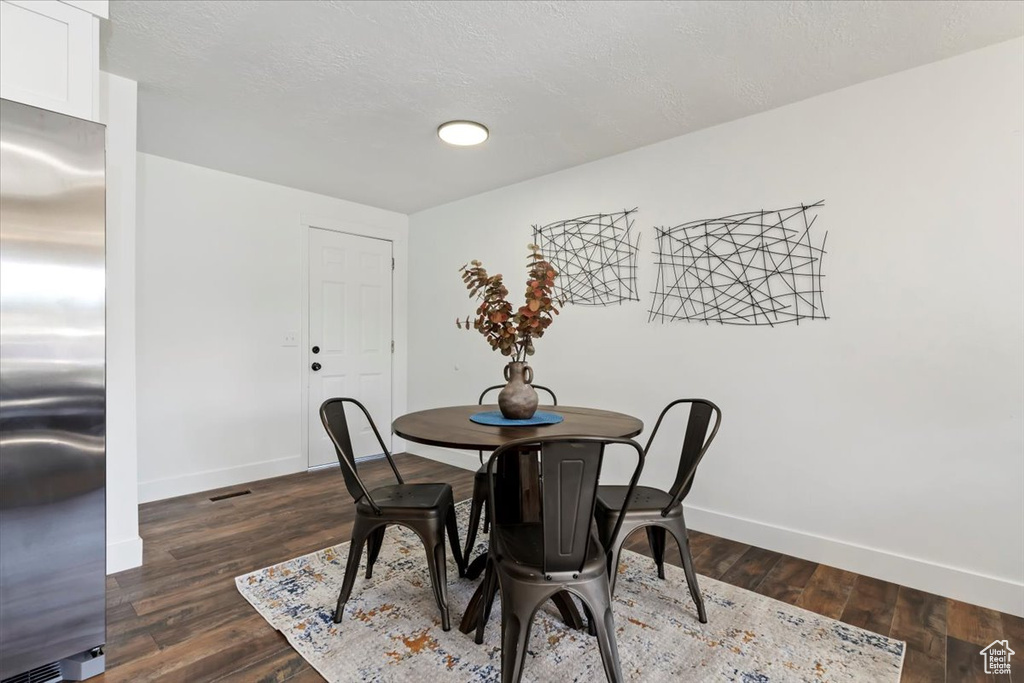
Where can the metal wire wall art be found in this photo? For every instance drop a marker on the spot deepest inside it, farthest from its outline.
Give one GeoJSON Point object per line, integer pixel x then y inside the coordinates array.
{"type": "Point", "coordinates": [755, 268]}
{"type": "Point", "coordinates": [595, 257]}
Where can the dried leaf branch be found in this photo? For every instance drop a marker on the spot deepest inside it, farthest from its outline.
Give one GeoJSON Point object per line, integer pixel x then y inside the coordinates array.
{"type": "Point", "coordinates": [510, 332]}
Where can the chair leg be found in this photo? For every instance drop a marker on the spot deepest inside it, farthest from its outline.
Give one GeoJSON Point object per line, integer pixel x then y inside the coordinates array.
{"type": "Point", "coordinates": [437, 566]}
{"type": "Point", "coordinates": [614, 550]}
{"type": "Point", "coordinates": [452, 525]}
{"type": "Point", "coordinates": [656, 539]}
{"type": "Point", "coordinates": [597, 597]}
{"type": "Point", "coordinates": [355, 552]}
{"type": "Point", "coordinates": [476, 507]}
{"type": "Point", "coordinates": [487, 517]}
{"type": "Point", "coordinates": [490, 587]}
{"type": "Point", "coordinates": [678, 530]}
{"type": "Point", "coordinates": [373, 544]}
{"type": "Point", "coordinates": [516, 620]}
{"type": "Point", "coordinates": [613, 546]}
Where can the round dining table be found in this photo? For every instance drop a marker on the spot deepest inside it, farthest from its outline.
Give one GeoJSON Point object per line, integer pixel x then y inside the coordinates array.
{"type": "Point", "coordinates": [450, 427]}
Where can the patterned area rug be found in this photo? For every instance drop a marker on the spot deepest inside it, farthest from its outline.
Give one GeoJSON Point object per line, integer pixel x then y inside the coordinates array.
{"type": "Point", "coordinates": [392, 630]}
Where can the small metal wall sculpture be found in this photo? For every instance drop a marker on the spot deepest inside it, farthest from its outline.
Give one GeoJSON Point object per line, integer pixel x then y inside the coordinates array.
{"type": "Point", "coordinates": [756, 268]}
{"type": "Point", "coordinates": [595, 257]}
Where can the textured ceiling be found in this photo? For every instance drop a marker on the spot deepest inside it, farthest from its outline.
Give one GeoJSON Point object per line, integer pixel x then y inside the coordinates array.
{"type": "Point", "coordinates": [343, 98]}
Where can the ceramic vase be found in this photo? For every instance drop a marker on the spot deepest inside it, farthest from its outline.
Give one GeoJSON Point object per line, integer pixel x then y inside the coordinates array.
{"type": "Point", "coordinates": [518, 400]}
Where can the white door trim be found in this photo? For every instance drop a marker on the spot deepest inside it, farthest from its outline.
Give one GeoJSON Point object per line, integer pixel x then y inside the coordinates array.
{"type": "Point", "coordinates": [399, 238]}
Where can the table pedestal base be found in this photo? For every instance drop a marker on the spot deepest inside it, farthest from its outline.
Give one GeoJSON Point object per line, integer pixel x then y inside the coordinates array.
{"type": "Point", "coordinates": [476, 567]}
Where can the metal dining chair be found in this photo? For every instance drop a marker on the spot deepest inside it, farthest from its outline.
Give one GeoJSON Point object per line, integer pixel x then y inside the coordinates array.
{"type": "Point", "coordinates": [533, 562]}
{"type": "Point", "coordinates": [656, 510]}
{"type": "Point", "coordinates": [427, 509]}
{"type": "Point", "coordinates": [478, 505]}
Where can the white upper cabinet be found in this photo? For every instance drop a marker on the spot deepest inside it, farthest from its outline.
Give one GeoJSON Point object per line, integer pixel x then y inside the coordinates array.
{"type": "Point", "coordinates": [49, 54]}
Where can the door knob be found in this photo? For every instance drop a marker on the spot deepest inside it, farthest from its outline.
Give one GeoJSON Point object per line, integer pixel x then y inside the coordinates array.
{"type": "Point", "coordinates": [315, 366]}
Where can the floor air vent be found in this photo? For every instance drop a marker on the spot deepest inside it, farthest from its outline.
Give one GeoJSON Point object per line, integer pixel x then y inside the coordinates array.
{"type": "Point", "coordinates": [48, 673]}
{"type": "Point", "coordinates": [233, 494]}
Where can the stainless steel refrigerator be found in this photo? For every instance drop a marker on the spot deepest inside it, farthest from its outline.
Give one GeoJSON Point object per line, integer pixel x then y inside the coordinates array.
{"type": "Point", "coordinates": [52, 389]}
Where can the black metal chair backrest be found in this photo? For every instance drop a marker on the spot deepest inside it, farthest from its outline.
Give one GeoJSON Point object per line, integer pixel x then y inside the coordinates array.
{"type": "Point", "coordinates": [332, 414]}
{"type": "Point", "coordinates": [695, 443]}
{"type": "Point", "coordinates": [570, 467]}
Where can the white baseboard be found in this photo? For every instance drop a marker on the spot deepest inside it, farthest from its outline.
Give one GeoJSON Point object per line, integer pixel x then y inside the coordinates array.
{"type": "Point", "coordinates": [952, 582]}
{"type": "Point", "coordinates": [158, 489]}
{"type": "Point", "coordinates": [124, 554]}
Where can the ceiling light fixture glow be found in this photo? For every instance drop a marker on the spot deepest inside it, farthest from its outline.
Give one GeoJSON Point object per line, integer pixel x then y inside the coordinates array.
{"type": "Point", "coordinates": [463, 133]}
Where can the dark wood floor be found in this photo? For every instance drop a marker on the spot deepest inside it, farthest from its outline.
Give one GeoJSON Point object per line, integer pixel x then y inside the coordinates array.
{"type": "Point", "coordinates": [179, 617]}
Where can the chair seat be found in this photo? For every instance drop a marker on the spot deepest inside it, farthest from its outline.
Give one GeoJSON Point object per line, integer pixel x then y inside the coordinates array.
{"type": "Point", "coordinates": [645, 498]}
{"type": "Point", "coordinates": [407, 497]}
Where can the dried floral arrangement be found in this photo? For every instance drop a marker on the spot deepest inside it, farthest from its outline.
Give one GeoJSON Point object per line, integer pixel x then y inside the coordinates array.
{"type": "Point", "coordinates": [510, 332]}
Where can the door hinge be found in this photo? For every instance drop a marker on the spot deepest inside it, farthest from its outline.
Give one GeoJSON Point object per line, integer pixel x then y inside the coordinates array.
{"type": "Point", "coordinates": [392, 263]}
{"type": "Point", "coordinates": [392, 346]}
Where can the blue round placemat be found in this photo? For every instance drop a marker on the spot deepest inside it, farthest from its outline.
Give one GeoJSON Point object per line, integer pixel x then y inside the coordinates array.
{"type": "Point", "coordinates": [495, 418]}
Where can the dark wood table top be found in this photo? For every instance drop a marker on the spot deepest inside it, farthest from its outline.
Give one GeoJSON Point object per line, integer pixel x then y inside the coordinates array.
{"type": "Point", "coordinates": [451, 427]}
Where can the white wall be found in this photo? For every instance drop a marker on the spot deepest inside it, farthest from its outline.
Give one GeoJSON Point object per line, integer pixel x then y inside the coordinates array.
{"type": "Point", "coordinates": [887, 440]}
{"type": "Point", "coordinates": [221, 282]}
{"type": "Point", "coordinates": [118, 107]}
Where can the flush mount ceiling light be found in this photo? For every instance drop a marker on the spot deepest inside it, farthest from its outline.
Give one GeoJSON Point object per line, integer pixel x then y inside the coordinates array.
{"type": "Point", "coordinates": [462, 133]}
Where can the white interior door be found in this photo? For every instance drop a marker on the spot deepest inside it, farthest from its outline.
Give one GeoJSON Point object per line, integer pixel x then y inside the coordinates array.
{"type": "Point", "coordinates": [349, 337]}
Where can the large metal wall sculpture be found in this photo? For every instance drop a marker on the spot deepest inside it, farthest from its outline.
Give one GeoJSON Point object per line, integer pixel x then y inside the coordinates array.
{"type": "Point", "coordinates": [595, 257]}
{"type": "Point", "coordinates": [757, 268]}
